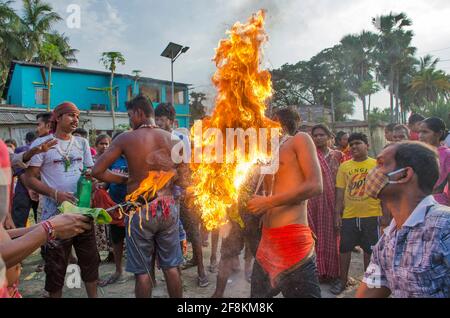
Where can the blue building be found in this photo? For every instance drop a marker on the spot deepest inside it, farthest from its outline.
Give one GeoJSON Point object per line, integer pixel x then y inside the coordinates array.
{"type": "Point", "coordinates": [26, 90]}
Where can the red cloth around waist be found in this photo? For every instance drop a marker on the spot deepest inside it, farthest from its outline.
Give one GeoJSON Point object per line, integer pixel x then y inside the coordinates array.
{"type": "Point", "coordinates": [103, 200]}
{"type": "Point", "coordinates": [282, 248]}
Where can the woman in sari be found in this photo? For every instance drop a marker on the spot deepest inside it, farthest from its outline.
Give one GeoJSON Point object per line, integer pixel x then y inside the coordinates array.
{"type": "Point", "coordinates": [433, 132]}
{"type": "Point", "coordinates": [321, 208]}
{"type": "Point", "coordinates": [342, 145]}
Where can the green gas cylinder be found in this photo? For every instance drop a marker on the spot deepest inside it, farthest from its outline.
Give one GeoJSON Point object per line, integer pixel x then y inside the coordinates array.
{"type": "Point", "coordinates": [84, 190]}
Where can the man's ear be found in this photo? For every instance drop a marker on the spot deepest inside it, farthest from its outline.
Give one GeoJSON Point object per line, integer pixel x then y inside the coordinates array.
{"type": "Point", "coordinates": [408, 175]}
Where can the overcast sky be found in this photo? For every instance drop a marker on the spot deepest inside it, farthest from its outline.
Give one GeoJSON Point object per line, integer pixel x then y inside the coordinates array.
{"type": "Point", "coordinates": [297, 29]}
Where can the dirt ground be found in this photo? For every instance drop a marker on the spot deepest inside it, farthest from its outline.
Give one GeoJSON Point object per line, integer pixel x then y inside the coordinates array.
{"type": "Point", "coordinates": [32, 282]}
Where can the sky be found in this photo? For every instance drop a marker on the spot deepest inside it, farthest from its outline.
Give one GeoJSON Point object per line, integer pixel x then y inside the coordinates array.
{"type": "Point", "coordinates": [297, 30]}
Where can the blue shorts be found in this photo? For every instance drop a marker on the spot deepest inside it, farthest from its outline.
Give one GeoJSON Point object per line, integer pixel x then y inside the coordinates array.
{"type": "Point", "coordinates": [159, 234]}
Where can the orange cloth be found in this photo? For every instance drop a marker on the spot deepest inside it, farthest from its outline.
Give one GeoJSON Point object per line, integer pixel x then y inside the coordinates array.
{"type": "Point", "coordinates": [282, 248]}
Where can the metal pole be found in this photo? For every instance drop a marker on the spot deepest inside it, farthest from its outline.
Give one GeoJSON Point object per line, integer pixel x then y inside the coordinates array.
{"type": "Point", "coordinates": [173, 88]}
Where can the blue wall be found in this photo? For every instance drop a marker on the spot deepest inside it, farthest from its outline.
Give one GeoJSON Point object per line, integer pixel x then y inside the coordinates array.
{"type": "Point", "coordinates": [73, 86]}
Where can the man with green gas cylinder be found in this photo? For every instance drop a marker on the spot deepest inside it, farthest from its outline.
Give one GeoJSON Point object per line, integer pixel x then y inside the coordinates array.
{"type": "Point", "coordinates": [62, 175]}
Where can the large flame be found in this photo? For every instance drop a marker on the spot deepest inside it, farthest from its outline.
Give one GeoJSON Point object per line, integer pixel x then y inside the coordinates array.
{"type": "Point", "coordinates": [242, 92]}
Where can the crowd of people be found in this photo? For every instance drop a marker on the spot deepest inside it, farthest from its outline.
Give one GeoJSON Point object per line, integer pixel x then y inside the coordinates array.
{"type": "Point", "coordinates": [328, 200]}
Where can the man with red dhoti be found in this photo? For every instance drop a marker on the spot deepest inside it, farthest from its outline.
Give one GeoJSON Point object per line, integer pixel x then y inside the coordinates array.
{"type": "Point", "coordinates": [285, 259]}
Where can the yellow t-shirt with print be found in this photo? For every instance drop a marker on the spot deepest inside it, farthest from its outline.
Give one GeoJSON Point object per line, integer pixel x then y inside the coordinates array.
{"type": "Point", "coordinates": [351, 176]}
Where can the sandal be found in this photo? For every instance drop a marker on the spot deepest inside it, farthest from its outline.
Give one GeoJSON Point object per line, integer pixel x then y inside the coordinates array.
{"type": "Point", "coordinates": [212, 268]}
{"type": "Point", "coordinates": [188, 264]}
{"type": "Point", "coordinates": [39, 268]}
{"type": "Point", "coordinates": [203, 282]}
{"type": "Point", "coordinates": [111, 280]}
{"type": "Point", "coordinates": [337, 288]}
{"type": "Point", "coordinates": [351, 282]}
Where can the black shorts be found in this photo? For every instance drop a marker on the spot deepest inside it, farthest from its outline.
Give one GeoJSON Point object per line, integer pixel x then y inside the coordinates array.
{"type": "Point", "coordinates": [362, 232]}
{"type": "Point", "coordinates": [56, 258]}
{"type": "Point", "coordinates": [299, 283]}
{"type": "Point", "coordinates": [250, 235]}
{"type": "Point", "coordinates": [117, 233]}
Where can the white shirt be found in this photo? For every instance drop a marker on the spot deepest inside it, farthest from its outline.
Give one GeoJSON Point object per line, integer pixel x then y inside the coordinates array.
{"type": "Point", "coordinates": [53, 171]}
{"type": "Point", "coordinates": [447, 141]}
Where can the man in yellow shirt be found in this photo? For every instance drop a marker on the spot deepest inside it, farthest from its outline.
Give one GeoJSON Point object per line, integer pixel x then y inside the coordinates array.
{"type": "Point", "coordinates": [356, 213]}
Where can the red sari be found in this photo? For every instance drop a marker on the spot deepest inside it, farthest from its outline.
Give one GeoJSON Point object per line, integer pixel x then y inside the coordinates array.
{"type": "Point", "coordinates": [321, 217]}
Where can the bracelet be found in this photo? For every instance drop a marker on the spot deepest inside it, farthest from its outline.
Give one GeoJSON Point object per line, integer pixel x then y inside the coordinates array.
{"type": "Point", "coordinates": [50, 230]}
{"type": "Point", "coordinates": [56, 196]}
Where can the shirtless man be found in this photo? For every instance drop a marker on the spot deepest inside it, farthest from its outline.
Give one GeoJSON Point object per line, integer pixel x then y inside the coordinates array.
{"type": "Point", "coordinates": [285, 260]}
{"type": "Point", "coordinates": [146, 148]}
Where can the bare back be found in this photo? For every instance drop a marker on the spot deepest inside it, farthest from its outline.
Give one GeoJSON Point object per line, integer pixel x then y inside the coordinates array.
{"type": "Point", "coordinates": [146, 149]}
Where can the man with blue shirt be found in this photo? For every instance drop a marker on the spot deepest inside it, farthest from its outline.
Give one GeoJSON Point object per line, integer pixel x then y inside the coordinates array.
{"type": "Point", "coordinates": [412, 258]}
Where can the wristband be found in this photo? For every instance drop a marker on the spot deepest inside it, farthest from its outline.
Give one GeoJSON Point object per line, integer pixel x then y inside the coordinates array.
{"type": "Point", "coordinates": [56, 196]}
{"type": "Point", "coordinates": [50, 230]}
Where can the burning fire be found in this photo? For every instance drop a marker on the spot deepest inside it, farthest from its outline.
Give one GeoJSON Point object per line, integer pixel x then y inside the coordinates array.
{"type": "Point", "coordinates": [242, 91]}
{"type": "Point", "coordinates": [146, 192]}
{"type": "Point", "coordinates": [147, 189]}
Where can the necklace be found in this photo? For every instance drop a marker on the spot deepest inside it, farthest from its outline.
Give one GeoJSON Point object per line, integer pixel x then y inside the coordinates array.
{"type": "Point", "coordinates": [147, 126]}
{"type": "Point", "coordinates": [65, 154]}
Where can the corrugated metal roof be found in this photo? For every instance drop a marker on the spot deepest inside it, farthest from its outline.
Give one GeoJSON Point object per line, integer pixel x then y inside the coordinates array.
{"type": "Point", "coordinates": [12, 118]}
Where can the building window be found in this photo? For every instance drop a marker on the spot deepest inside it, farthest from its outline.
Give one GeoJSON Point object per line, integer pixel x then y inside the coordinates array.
{"type": "Point", "coordinates": [179, 95]}
{"type": "Point", "coordinates": [98, 107]}
{"type": "Point", "coordinates": [129, 92]}
{"type": "Point", "coordinates": [41, 96]}
{"type": "Point", "coordinates": [151, 92]}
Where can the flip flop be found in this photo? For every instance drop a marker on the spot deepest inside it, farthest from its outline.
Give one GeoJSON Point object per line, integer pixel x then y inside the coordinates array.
{"type": "Point", "coordinates": [188, 264]}
{"type": "Point", "coordinates": [111, 280]}
{"type": "Point", "coordinates": [212, 268]}
{"type": "Point", "coordinates": [337, 288]}
{"type": "Point", "coordinates": [39, 268]}
{"type": "Point", "coordinates": [203, 282]}
{"type": "Point", "coordinates": [352, 282]}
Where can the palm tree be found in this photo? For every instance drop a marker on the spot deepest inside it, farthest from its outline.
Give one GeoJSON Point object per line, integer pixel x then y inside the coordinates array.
{"type": "Point", "coordinates": [61, 41]}
{"type": "Point", "coordinates": [358, 52]}
{"type": "Point", "coordinates": [50, 55]}
{"type": "Point", "coordinates": [428, 85]}
{"type": "Point", "coordinates": [110, 61]}
{"type": "Point", "coordinates": [38, 18]}
{"type": "Point", "coordinates": [137, 76]}
{"type": "Point", "coordinates": [393, 51]}
{"type": "Point", "coordinates": [427, 62]}
{"type": "Point", "coordinates": [11, 44]}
